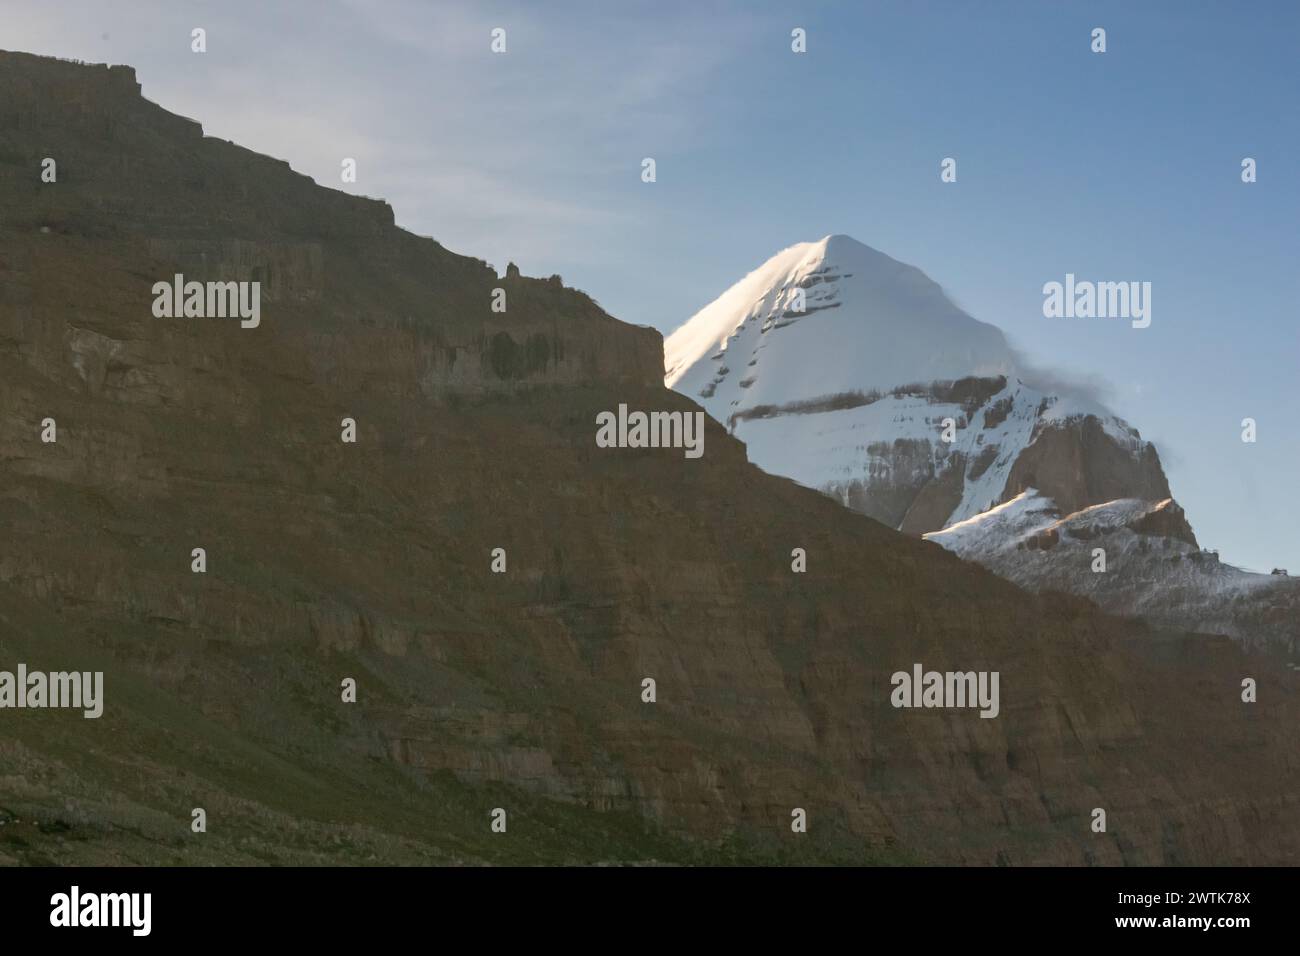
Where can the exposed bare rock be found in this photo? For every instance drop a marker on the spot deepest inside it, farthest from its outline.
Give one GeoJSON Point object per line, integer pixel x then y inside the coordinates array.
{"type": "Point", "coordinates": [1079, 464]}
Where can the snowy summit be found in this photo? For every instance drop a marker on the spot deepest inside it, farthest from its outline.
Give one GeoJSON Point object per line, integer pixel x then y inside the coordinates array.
{"type": "Point", "coordinates": [839, 367]}
{"type": "Point", "coordinates": [867, 321]}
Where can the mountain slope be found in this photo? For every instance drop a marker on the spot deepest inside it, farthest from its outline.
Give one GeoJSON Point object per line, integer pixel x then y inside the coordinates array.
{"type": "Point", "coordinates": [475, 690]}
{"type": "Point", "coordinates": [1152, 566]}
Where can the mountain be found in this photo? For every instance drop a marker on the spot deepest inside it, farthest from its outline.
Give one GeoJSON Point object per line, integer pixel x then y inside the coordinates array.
{"type": "Point", "coordinates": [851, 395]}
{"type": "Point", "coordinates": [1152, 566]}
{"type": "Point", "coordinates": [884, 395]}
{"type": "Point", "coordinates": [476, 690]}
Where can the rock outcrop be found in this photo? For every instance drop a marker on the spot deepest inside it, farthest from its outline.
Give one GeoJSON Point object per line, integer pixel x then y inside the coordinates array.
{"type": "Point", "coordinates": [1080, 463]}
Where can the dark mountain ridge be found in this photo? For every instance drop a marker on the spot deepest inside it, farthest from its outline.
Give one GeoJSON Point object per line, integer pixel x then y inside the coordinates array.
{"type": "Point", "coordinates": [478, 690]}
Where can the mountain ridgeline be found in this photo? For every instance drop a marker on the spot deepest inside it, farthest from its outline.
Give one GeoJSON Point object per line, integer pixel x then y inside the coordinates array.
{"type": "Point", "coordinates": [495, 587]}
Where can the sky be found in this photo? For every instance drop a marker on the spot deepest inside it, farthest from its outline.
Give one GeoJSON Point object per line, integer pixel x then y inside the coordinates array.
{"type": "Point", "coordinates": [1115, 166]}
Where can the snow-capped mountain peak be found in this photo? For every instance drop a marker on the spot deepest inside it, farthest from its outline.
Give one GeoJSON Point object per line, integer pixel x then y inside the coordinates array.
{"type": "Point", "coordinates": [824, 318]}
{"type": "Point", "coordinates": [854, 373]}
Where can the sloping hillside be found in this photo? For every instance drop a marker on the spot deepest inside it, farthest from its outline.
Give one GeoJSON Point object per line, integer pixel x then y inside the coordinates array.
{"type": "Point", "coordinates": [476, 690]}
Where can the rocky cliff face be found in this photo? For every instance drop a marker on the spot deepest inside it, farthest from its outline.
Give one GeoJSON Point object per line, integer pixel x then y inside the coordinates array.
{"type": "Point", "coordinates": [1082, 463]}
{"type": "Point", "coordinates": [476, 690]}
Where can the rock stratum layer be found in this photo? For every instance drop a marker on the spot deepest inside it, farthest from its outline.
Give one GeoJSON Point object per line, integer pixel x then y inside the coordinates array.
{"type": "Point", "coordinates": [478, 690]}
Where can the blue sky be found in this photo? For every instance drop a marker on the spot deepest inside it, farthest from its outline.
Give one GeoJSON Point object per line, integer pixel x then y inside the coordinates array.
{"type": "Point", "coordinates": [1115, 166]}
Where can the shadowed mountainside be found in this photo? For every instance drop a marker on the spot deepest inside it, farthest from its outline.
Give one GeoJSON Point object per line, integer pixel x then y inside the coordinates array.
{"type": "Point", "coordinates": [478, 690]}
